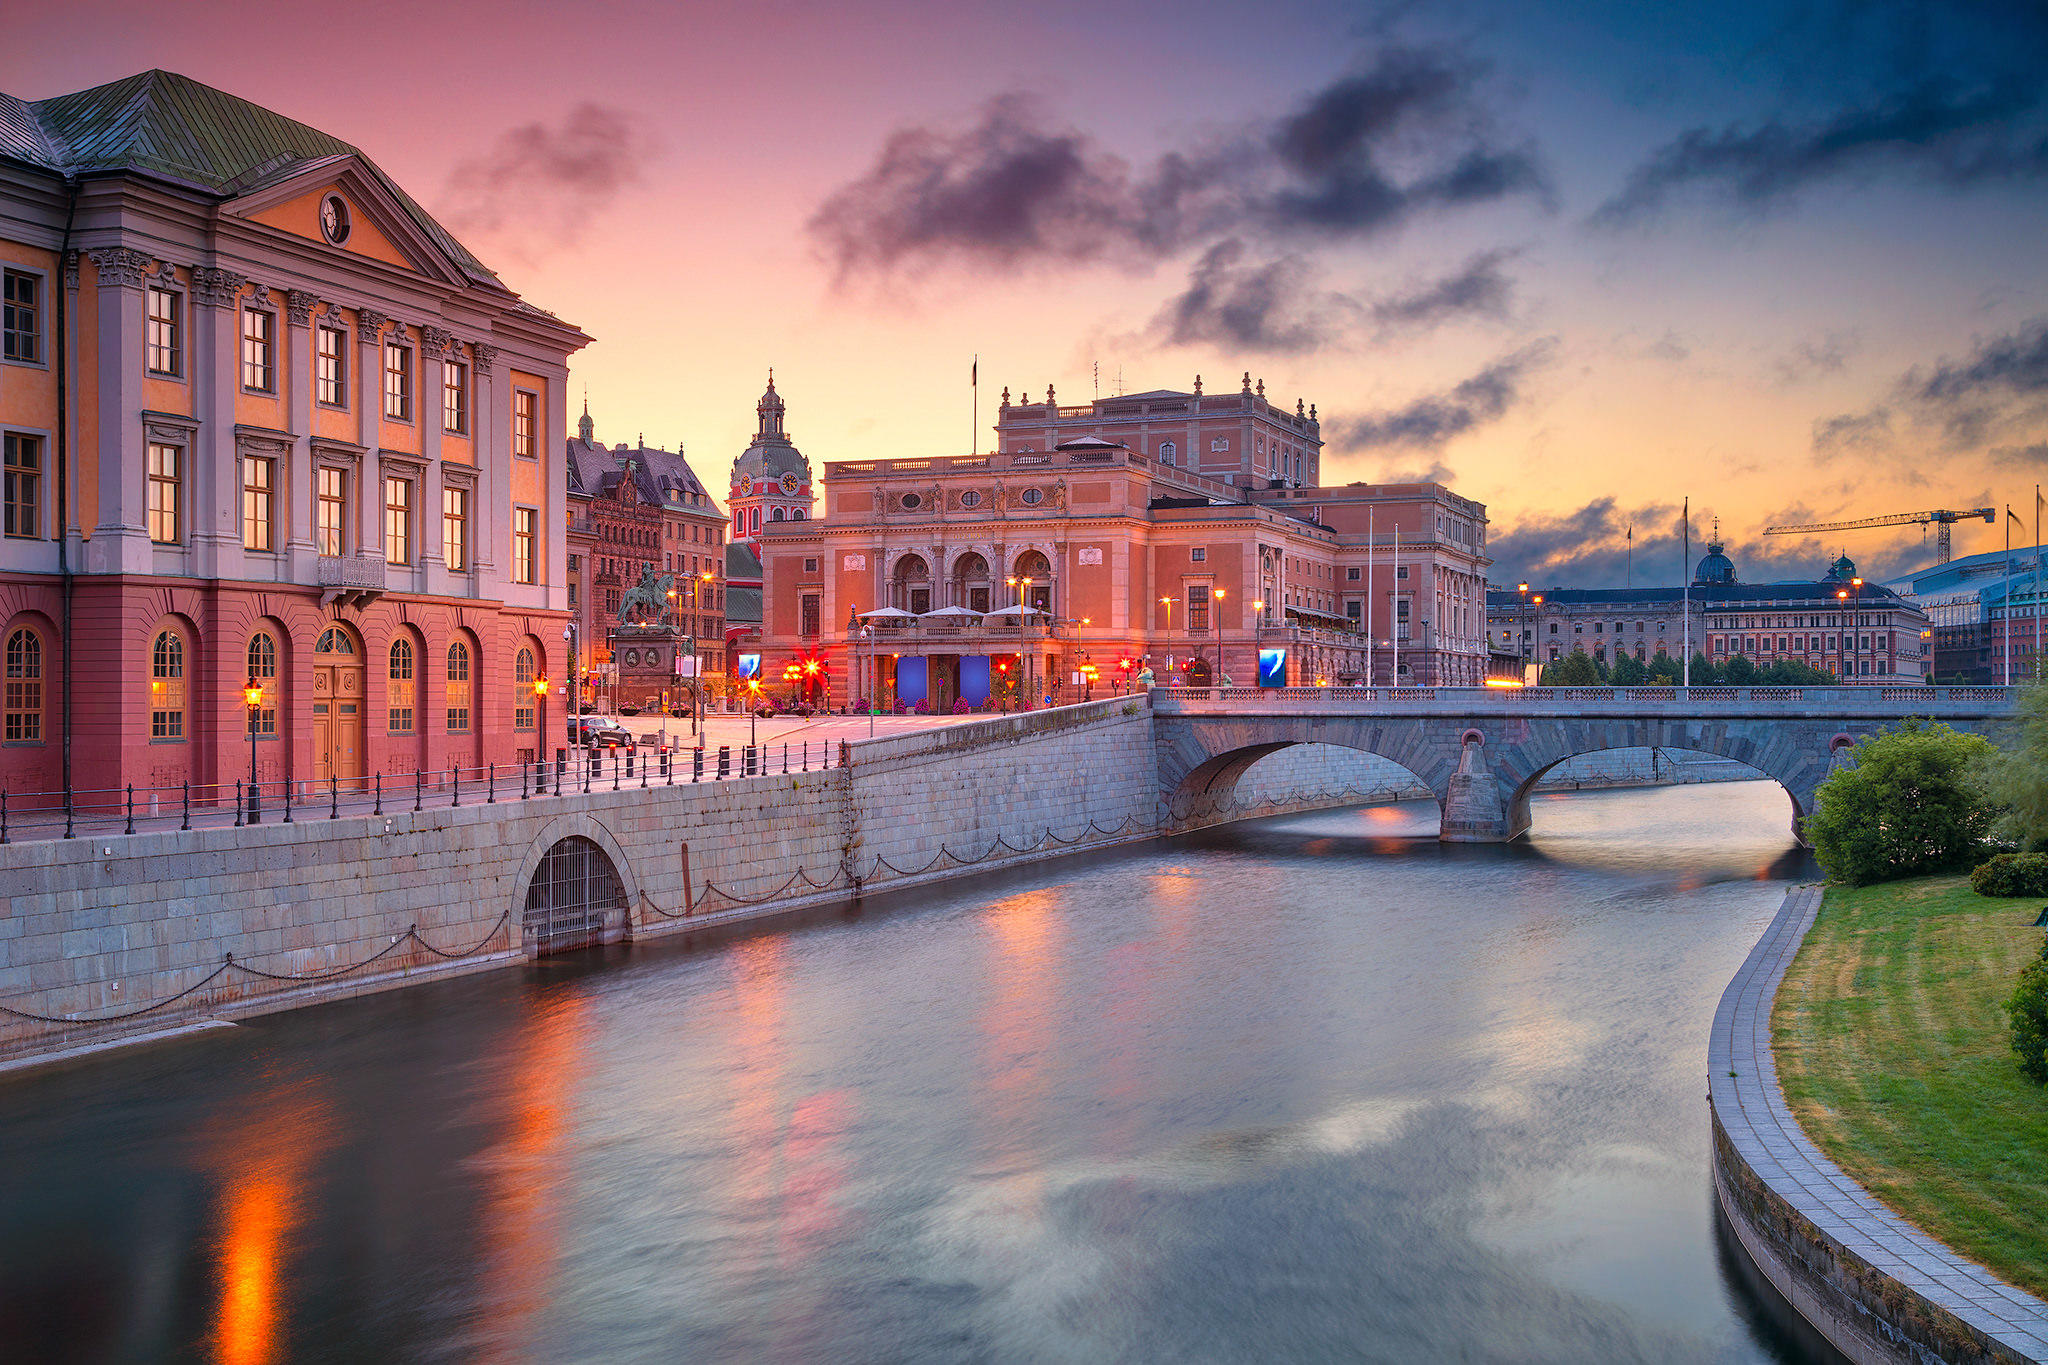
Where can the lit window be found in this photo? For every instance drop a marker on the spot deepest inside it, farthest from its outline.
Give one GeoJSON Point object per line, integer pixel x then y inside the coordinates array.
{"type": "Point", "coordinates": [21, 332]}
{"type": "Point", "coordinates": [330, 507]}
{"type": "Point", "coordinates": [162, 344]}
{"type": "Point", "coordinates": [263, 668]}
{"type": "Point", "coordinates": [331, 367]}
{"type": "Point", "coordinates": [397, 382]}
{"type": "Point", "coordinates": [23, 492]}
{"type": "Point", "coordinates": [455, 528]}
{"type": "Point", "coordinates": [522, 544]}
{"type": "Point", "coordinates": [24, 699]}
{"type": "Point", "coordinates": [259, 371]}
{"type": "Point", "coordinates": [167, 687]}
{"type": "Point", "coordinates": [164, 477]}
{"type": "Point", "coordinates": [398, 521]}
{"type": "Point", "coordinates": [257, 473]}
{"type": "Point", "coordinates": [455, 398]}
{"type": "Point", "coordinates": [525, 422]}
{"type": "Point", "coordinates": [398, 701]}
{"type": "Point", "coordinates": [458, 688]}
{"type": "Point", "coordinates": [522, 690]}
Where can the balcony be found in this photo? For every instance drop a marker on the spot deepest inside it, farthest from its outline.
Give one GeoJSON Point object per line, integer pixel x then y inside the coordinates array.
{"type": "Point", "coordinates": [353, 580]}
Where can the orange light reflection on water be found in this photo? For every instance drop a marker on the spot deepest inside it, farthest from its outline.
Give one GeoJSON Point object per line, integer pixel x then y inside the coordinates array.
{"type": "Point", "coordinates": [264, 1154]}
{"type": "Point", "coordinates": [1026, 977]}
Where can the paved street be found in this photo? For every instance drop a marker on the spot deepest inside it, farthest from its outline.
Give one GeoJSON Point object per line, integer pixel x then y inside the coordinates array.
{"type": "Point", "coordinates": [734, 730]}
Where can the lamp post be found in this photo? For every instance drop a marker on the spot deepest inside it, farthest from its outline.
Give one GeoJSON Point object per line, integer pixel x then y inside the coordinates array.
{"type": "Point", "coordinates": [1167, 602]}
{"type": "Point", "coordinates": [540, 692]}
{"type": "Point", "coordinates": [1258, 637]}
{"type": "Point", "coordinates": [252, 693]}
{"type": "Point", "coordinates": [1218, 594]}
{"type": "Point", "coordinates": [753, 709]}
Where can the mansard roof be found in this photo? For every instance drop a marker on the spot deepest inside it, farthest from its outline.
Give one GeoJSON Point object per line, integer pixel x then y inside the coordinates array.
{"type": "Point", "coordinates": [660, 477]}
{"type": "Point", "coordinates": [161, 124]}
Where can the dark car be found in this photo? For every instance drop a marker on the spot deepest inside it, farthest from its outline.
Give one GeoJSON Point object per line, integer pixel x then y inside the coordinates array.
{"type": "Point", "coordinates": [600, 732]}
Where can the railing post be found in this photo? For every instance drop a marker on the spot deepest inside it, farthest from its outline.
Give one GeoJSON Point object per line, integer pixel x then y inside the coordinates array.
{"type": "Point", "coordinates": [454, 786]}
{"type": "Point", "coordinates": [492, 788]}
{"type": "Point", "coordinates": [70, 812]}
{"type": "Point", "coordinates": [523, 775]}
{"type": "Point", "coordinates": [615, 770]}
{"type": "Point", "coordinates": [287, 800]}
{"type": "Point", "coordinates": [724, 761]}
{"type": "Point", "coordinates": [643, 777]}
{"type": "Point", "coordinates": [185, 802]}
{"type": "Point", "coordinates": [419, 788]}
{"type": "Point", "coordinates": [697, 764]}
{"type": "Point", "coordinates": [333, 797]}
{"type": "Point", "coordinates": [238, 803]}
{"type": "Point", "coordinates": [377, 780]}
{"type": "Point", "coordinates": [3, 815]}
{"type": "Point", "coordinates": [131, 809]}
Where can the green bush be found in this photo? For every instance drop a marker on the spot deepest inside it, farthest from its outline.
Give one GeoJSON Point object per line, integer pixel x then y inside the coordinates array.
{"type": "Point", "coordinates": [2012, 874]}
{"type": "Point", "coordinates": [2027, 1007]}
{"type": "Point", "coordinates": [1911, 802]}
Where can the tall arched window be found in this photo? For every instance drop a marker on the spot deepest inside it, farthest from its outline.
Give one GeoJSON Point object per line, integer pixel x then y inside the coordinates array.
{"type": "Point", "coordinates": [398, 701]}
{"type": "Point", "coordinates": [458, 688]}
{"type": "Point", "coordinates": [522, 690]}
{"type": "Point", "coordinates": [167, 687]}
{"type": "Point", "coordinates": [263, 668]}
{"type": "Point", "coordinates": [24, 700]}
{"type": "Point", "coordinates": [913, 584]}
{"type": "Point", "coordinates": [777, 515]}
{"type": "Point", "coordinates": [1168, 452]}
{"type": "Point", "coordinates": [1038, 592]}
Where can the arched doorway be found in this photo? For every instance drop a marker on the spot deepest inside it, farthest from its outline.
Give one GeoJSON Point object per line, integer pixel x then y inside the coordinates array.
{"type": "Point", "coordinates": [913, 585]}
{"type": "Point", "coordinates": [574, 900]}
{"type": "Point", "coordinates": [338, 707]}
{"type": "Point", "coordinates": [971, 583]}
{"type": "Point", "coordinates": [1199, 674]}
{"type": "Point", "coordinates": [1034, 581]}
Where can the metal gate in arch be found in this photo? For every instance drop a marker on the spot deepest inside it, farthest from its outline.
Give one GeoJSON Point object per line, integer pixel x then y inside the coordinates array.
{"type": "Point", "coordinates": [575, 898]}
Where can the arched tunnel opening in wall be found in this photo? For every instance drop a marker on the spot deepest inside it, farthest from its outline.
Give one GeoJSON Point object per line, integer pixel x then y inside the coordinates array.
{"type": "Point", "coordinates": [1270, 778]}
{"type": "Point", "coordinates": [574, 900]}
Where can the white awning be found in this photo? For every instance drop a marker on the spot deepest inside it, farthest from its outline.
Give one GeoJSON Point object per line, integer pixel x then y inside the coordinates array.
{"type": "Point", "coordinates": [888, 614]}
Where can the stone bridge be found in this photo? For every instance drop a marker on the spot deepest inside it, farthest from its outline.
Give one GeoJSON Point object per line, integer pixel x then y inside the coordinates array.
{"type": "Point", "coordinates": [1482, 749]}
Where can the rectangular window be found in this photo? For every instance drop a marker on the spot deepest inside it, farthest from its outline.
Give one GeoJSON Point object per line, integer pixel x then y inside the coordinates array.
{"type": "Point", "coordinates": [257, 474]}
{"type": "Point", "coordinates": [21, 326]}
{"type": "Point", "coordinates": [522, 544]}
{"type": "Point", "coordinates": [1351, 574]}
{"type": "Point", "coordinates": [813, 607]}
{"type": "Point", "coordinates": [398, 521]}
{"type": "Point", "coordinates": [1198, 609]}
{"type": "Point", "coordinates": [455, 528]}
{"type": "Point", "coordinates": [162, 344]}
{"type": "Point", "coordinates": [455, 398]}
{"type": "Point", "coordinates": [525, 423]}
{"type": "Point", "coordinates": [1198, 553]}
{"type": "Point", "coordinates": [329, 510]}
{"type": "Point", "coordinates": [165, 464]}
{"type": "Point", "coordinates": [397, 382]}
{"type": "Point", "coordinates": [24, 485]}
{"type": "Point", "coordinates": [259, 372]}
{"type": "Point", "coordinates": [330, 367]}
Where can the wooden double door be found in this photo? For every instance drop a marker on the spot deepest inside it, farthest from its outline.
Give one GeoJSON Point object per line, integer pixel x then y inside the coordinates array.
{"type": "Point", "coordinates": [338, 721]}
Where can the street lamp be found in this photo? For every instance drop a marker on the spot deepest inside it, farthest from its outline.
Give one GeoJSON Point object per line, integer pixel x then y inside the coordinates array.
{"type": "Point", "coordinates": [540, 692]}
{"type": "Point", "coordinates": [252, 693]}
{"type": "Point", "coordinates": [753, 709]}
{"type": "Point", "coordinates": [1218, 593]}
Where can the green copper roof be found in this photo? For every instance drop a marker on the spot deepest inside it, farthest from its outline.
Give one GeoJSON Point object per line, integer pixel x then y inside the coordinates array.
{"type": "Point", "coordinates": [160, 123]}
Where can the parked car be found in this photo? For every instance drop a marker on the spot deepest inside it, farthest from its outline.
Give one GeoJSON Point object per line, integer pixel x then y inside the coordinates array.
{"type": "Point", "coordinates": [600, 732]}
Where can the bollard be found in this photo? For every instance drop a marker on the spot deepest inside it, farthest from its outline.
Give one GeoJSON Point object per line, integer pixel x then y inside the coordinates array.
{"type": "Point", "coordinates": [697, 764]}
{"type": "Point", "coordinates": [667, 776]}
{"type": "Point", "coordinates": [724, 761]}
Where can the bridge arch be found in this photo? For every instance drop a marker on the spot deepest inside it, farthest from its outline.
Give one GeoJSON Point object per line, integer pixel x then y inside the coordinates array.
{"type": "Point", "coordinates": [1212, 788]}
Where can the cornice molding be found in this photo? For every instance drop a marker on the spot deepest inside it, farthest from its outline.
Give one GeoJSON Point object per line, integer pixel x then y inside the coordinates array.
{"type": "Point", "coordinates": [119, 266]}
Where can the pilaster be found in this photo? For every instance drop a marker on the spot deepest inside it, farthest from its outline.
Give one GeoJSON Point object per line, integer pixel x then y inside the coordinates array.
{"type": "Point", "coordinates": [120, 541]}
{"type": "Point", "coordinates": [490, 514]}
{"type": "Point", "coordinates": [297, 468]}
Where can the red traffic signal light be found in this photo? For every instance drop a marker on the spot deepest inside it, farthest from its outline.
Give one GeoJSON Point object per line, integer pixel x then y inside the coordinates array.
{"type": "Point", "coordinates": [1002, 668]}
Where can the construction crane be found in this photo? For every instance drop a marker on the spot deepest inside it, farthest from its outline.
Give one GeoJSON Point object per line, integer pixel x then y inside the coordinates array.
{"type": "Point", "coordinates": [1942, 519]}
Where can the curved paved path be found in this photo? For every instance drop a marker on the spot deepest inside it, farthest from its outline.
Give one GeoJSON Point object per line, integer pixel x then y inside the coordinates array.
{"type": "Point", "coordinates": [1759, 1124]}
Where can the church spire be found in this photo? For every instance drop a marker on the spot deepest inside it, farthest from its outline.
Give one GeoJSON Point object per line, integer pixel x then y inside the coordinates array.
{"type": "Point", "coordinates": [585, 428]}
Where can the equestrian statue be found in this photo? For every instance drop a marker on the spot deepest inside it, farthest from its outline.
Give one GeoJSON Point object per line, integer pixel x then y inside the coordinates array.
{"type": "Point", "coordinates": [650, 594]}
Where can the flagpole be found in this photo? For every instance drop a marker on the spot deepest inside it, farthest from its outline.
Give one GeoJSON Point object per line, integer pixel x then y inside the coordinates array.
{"type": "Point", "coordinates": [1685, 608]}
{"type": "Point", "coordinates": [1629, 575]}
{"type": "Point", "coordinates": [2009, 520]}
{"type": "Point", "coordinates": [2037, 580]}
{"type": "Point", "coordinates": [1372, 677]}
{"type": "Point", "coordinates": [974, 381]}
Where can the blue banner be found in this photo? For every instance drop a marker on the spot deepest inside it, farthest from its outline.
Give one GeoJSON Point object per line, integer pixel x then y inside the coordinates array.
{"type": "Point", "coordinates": [1272, 668]}
{"type": "Point", "coordinates": [974, 679]}
{"type": "Point", "coordinates": [910, 681]}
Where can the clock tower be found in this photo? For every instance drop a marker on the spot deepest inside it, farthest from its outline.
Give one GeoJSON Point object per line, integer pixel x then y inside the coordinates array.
{"type": "Point", "coordinates": [771, 481]}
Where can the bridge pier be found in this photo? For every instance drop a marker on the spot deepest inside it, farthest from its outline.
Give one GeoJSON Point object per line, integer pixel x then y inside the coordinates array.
{"type": "Point", "coordinates": [1475, 808]}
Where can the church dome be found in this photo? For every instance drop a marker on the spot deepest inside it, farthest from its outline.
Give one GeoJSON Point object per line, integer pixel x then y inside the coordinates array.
{"type": "Point", "coordinates": [1714, 567]}
{"type": "Point", "coordinates": [1842, 570]}
{"type": "Point", "coordinates": [772, 453]}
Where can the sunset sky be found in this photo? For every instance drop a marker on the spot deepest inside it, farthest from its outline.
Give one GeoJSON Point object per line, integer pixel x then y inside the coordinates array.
{"type": "Point", "coordinates": [1577, 260]}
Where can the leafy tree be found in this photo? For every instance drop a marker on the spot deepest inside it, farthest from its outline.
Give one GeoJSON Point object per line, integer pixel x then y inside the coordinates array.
{"type": "Point", "coordinates": [1911, 801]}
{"type": "Point", "coordinates": [1628, 671]}
{"type": "Point", "coordinates": [1705, 672]}
{"type": "Point", "coordinates": [1740, 672]}
{"type": "Point", "coordinates": [1575, 669]}
{"type": "Point", "coordinates": [2017, 776]}
{"type": "Point", "coordinates": [1665, 670]}
{"type": "Point", "coordinates": [1792, 673]}
{"type": "Point", "coordinates": [2027, 1008]}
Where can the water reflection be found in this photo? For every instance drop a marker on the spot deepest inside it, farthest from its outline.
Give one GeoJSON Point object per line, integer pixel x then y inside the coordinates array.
{"type": "Point", "coordinates": [1310, 1087]}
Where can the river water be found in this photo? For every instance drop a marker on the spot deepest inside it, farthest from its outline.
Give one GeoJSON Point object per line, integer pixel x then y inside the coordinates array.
{"type": "Point", "coordinates": [1308, 1088]}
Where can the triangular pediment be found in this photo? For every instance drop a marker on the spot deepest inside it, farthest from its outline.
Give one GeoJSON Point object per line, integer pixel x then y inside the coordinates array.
{"type": "Point", "coordinates": [291, 199]}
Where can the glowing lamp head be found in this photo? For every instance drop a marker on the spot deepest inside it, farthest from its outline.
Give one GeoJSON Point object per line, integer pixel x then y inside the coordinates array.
{"type": "Point", "coordinates": [540, 685]}
{"type": "Point", "coordinates": [252, 693]}
{"type": "Point", "coordinates": [811, 666]}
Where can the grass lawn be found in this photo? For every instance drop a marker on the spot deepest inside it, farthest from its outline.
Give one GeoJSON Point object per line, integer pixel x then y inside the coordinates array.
{"type": "Point", "coordinates": [1894, 1054]}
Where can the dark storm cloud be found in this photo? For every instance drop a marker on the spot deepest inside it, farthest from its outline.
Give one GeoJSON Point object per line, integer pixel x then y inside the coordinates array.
{"type": "Point", "coordinates": [1589, 548]}
{"type": "Point", "coordinates": [541, 183]}
{"type": "Point", "coordinates": [1432, 420]}
{"type": "Point", "coordinates": [1999, 389]}
{"type": "Point", "coordinates": [1478, 289]}
{"type": "Point", "coordinates": [1947, 92]}
{"type": "Point", "coordinates": [1403, 136]}
{"type": "Point", "coordinates": [1271, 306]}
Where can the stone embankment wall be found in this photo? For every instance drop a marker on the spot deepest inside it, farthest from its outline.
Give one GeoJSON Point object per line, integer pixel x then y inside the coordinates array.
{"type": "Point", "coordinates": [1877, 1287]}
{"type": "Point", "coordinates": [132, 933]}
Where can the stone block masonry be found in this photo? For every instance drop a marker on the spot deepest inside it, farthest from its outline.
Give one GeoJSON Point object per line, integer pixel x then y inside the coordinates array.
{"type": "Point", "coordinates": [133, 933]}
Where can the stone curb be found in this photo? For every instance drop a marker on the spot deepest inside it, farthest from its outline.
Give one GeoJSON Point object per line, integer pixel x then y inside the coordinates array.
{"type": "Point", "coordinates": [1874, 1285]}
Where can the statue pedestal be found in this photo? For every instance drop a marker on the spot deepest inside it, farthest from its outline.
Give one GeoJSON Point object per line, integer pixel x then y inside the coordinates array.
{"type": "Point", "coordinates": [644, 660]}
